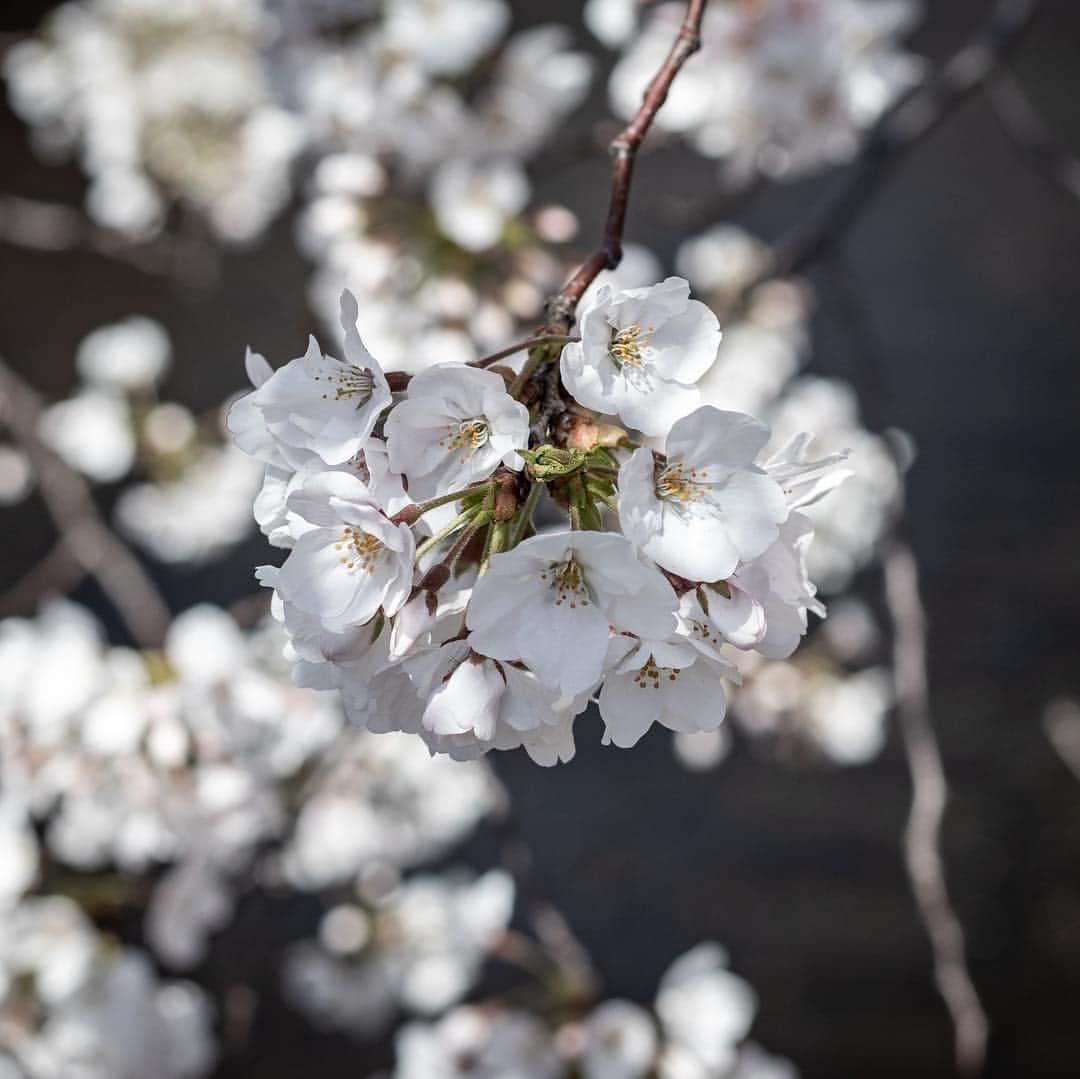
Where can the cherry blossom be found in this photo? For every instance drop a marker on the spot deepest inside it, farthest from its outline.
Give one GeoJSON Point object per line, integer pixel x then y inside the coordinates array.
{"type": "Point", "coordinates": [641, 351]}
{"type": "Point", "coordinates": [707, 506]}
{"type": "Point", "coordinates": [456, 425]}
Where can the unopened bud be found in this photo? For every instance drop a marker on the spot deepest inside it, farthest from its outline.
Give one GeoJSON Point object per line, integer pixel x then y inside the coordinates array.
{"type": "Point", "coordinates": [407, 515]}
{"type": "Point", "coordinates": [415, 619]}
{"type": "Point", "coordinates": [577, 432]}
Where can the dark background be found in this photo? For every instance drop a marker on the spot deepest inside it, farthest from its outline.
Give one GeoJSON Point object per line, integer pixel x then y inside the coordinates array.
{"type": "Point", "coordinates": [953, 305]}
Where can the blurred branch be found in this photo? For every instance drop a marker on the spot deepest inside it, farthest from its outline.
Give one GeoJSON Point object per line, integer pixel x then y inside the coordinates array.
{"type": "Point", "coordinates": [624, 148]}
{"type": "Point", "coordinates": [1031, 135]}
{"type": "Point", "coordinates": [58, 572]}
{"type": "Point", "coordinates": [922, 836]}
{"type": "Point", "coordinates": [83, 532]}
{"type": "Point", "coordinates": [903, 128]}
{"type": "Point", "coordinates": [37, 225]}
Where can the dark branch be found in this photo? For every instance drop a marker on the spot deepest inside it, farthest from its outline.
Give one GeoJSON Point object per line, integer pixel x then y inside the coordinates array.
{"type": "Point", "coordinates": [624, 148]}
{"type": "Point", "coordinates": [929, 793]}
{"type": "Point", "coordinates": [1031, 135]}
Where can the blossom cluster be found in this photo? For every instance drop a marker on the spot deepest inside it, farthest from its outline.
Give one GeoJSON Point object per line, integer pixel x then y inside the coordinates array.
{"type": "Point", "coordinates": [781, 87]}
{"type": "Point", "coordinates": [419, 583]}
{"type": "Point", "coordinates": [696, 1028]}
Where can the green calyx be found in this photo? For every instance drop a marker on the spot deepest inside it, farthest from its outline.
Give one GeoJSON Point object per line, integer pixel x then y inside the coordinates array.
{"type": "Point", "coordinates": [547, 463]}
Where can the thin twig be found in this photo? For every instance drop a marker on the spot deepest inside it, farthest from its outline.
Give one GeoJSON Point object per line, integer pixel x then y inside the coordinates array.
{"type": "Point", "coordinates": [87, 537]}
{"type": "Point", "coordinates": [37, 225]}
{"type": "Point", "coordinates": [901, 130]}
{"type": "Point", "coordinates": [922, 836]}
{"type": "Point", "coordinates": [57, 573]}
{"type": "Point", "coordinates": [1031, 135]}
{"type": "Point", "coordinates": [502, 354]}
{"type": "Point", "coordinates": [624, 148]}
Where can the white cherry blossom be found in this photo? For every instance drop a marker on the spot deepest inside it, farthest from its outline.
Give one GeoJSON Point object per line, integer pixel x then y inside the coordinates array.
{"type": "Point", "coordinates": [677, 681]}
{"type": "Point", "coordinates": [777, 579]}
{"type": "Point", "coordinates": [314, 406]}
{"type": "Point", "coordinates": [549, 603]}
{"type": "Point", "coordinates": [352, 561]}
{"type": "Point", "coordinates": [640, 353]}
{"type": "Point", "coordinates": [707, 506]}
{"type": "Point", "coordinates": [455, 427]}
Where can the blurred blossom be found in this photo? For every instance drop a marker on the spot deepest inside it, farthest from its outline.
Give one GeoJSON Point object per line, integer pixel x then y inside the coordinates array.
{"type": "Point", "coordinates": [704, 1009]}
{"type": "Point", "coordinates": [695, 1030]}
{"type": "Point", "coordinates": [780, 87]}
{"type": "Point", "coordinates": [168, 428]}
{"type": "Point", "coordinates": [419, 948]}
{"type": "Point", "coordinates": [198, 515]}
{"type": "Point", "coordinates": [161, 103]}
{"type": "Point", "coordinates": [473, 200]}
{"type": "Point", "coordinates": [72, 1003]}
{"type": "Point", "coordinates": [469, 1043]}
{"type": "Point", "coordinates": [612, 21]}
{"type": "Point", "coordinates": [128, 355]}
{"type": "Point", "coordinates": [445, 36]}
{"type": "Point", "coordinates": [701, 751]}
{"type": "Point", "coordinates": [92, 432]}
{"type": "Point", "coordinates": [384, 799]}
{"type": "Point", "coordinates": [620, 1043]}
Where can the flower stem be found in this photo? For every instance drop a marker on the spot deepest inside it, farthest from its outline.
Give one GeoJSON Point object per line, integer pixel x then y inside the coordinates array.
{"type": "Point", "coordinates": [524, 517]}
{"type": "Point", "coordinates": [496, 542]}
{"type": "Point", "coordinates": [542, 339]}
{"type": "Point", "coordinates": [462, 518]}
{"type": "Point", "coordinates": [421, 508]}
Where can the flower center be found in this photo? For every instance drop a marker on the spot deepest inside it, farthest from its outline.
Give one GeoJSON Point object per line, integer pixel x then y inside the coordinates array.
{"type": "Point", "coordinates": [360, 550]}
{"type": "Point", "coordinates": [568, 582]}
{"type": "Point", "coordinates": [468, 436]}
{"type": "Point", "coordinates": [648, 675]}
{"type": "Point", "coordinates": [349, 383]}
{"type": "Point", "coordinates": [626, 346]}
{"type": "Point", "coordinates": [678, 483]}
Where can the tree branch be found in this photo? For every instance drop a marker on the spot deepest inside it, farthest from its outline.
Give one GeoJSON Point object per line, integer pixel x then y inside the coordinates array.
{"type": "Point", "coordinates": [624, 148]}
{"type": "Point", "coordinates": [1031, 135]}
{"type": "Point", "coordinates": [87, 538]}
{"type": "Point", "coordinates": [37, 225]}
{"type": "Point", "coordinates": [922, 836]}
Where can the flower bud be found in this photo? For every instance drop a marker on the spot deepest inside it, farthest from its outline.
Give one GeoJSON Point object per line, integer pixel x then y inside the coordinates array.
{"type": "Point", "coordinates": [415, 619]}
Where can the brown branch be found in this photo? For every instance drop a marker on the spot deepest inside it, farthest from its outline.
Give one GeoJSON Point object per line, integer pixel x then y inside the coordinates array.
{"type": "Point", "coordinates": [624, 148]}
{"type": "Point", "coordinates": [87, 537]}
{"type": "Point", "coordinates": [922, 836]}
{"type": "Point", "coordinates": [58, 572]}
{"type": "Point", "coordinates": [51, 227]}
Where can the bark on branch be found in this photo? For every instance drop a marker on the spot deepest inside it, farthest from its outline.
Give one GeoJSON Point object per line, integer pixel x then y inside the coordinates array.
{"type": "Point", "coordinates": [624, 148]}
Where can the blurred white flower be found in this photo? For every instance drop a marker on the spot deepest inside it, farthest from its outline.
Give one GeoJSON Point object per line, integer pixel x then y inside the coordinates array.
{"type": "Point", "coordinates": [473, 200]}
{"type": "Point", "coordinates": [92, 432]}
{"type": "Point", "coordinates": [704, 1009]}
{"type": "Point", "coordinates": [128, 355]}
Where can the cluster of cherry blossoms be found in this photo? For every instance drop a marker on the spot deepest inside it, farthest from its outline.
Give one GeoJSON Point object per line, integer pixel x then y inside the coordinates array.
{"type": "Point", "coordinates": [781, 87]}
{"type": "Point", "coordinates": [420, 579]}
{"type": "Point", "coordinates": [696, 1028]}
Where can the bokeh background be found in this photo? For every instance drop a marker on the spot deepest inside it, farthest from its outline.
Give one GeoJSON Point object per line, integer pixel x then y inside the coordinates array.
{"type": "Point", "coordinates": [951, 305]}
